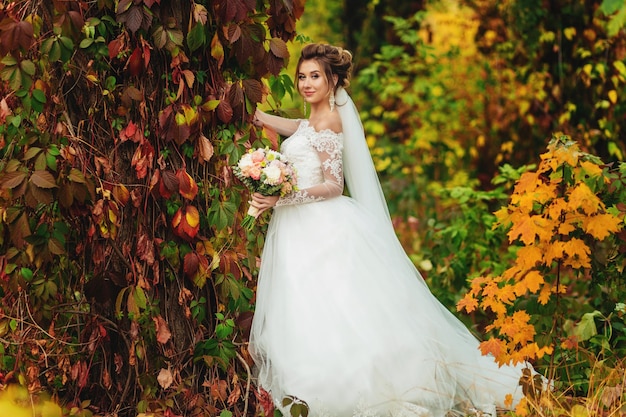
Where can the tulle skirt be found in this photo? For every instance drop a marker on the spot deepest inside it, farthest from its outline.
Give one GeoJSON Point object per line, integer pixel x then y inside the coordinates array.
{"type": "Point", "coordinates": [345, 323]}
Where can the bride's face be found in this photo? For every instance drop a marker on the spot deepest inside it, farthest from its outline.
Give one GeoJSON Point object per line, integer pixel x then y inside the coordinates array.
{"type": "Point", "coordinates": [312, 82]}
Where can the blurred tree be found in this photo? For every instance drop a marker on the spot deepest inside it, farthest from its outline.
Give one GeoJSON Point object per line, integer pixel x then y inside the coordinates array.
{"type": "Point", "coordinates": [365, 29]}
{"type": "Point", "coordinates": [552, 66]}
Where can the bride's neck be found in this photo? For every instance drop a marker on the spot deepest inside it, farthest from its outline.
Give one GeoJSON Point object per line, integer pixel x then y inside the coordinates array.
{"type": "Point", "coordinates": [318, 112]}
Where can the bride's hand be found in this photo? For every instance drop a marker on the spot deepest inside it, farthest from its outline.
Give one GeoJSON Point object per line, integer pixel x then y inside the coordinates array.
{"type": "Point", "coordinates": [258, 115]}
{"type": "Point", "coordinates": [263, 202]}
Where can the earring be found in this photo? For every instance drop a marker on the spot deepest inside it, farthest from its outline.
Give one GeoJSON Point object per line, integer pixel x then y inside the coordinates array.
{"type": "Point", "coordinates": [304, 107]}
{"type": "Point", "coordinates": [331, 100]}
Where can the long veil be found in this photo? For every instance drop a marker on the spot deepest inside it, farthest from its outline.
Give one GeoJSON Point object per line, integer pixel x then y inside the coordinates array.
{"type": "Point", "coordinates": [358, 167]}
{"type": "Point", "coordinates": [364, 186]}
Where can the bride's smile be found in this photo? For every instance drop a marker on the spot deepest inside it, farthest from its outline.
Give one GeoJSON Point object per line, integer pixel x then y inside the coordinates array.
{"type": "Point", "coordinates": [312, 83]}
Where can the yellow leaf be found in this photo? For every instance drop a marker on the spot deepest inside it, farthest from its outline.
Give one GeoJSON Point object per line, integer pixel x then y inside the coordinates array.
{"type": "Point", "coordinates": [546, 350]}
{"type": "Point", "coordinates": [569, 33]}
{"type": "Point", "coordinates": [468, 302]}
{"type": "Point", "coordinates": [613, 96]}
{"type": "Point", "coordinates": [545, 293]}
{"type": "Point", "coordinates": [591, 169]}
{"type": "Point", "coordinates": [493, 304]}
{"type": "Point", "coordinates": [506, 294]}
{"type": "Point", "coordinates": [522, 409]}
{"type": "Point", "coordinates": [527, 183]}
{"type": "Point", "coordinates": [566, 228]}
{"type": "Point", "coordinates": [544, 192]}
{"type": "Point", "coordinates": [192, 216]}
{"type": "Point", "coordinates": [567, 154]}
{"type": "Point", "coordinates": [491, 289]}
{"type": "Point", "coordinates": [554, 251]}
{"type": "Point", "coordinates": [577, 253]}
{"type": "Point", "coordinates": [524, 229]}
{"type": "Point", "coordinates": [579, 411]}
{"type": "Point", "coordinates": [520, 288]}
{"type": "Point", "coordinates": [493, 346]}
{"type": "Point", "coordinates": [529, 256]}
{"type": "Point", "coordinates": [601, 225]}
{"type": "Point", "coordinates": [544, 227]}
{"type": "Point", "coordinates": [556, 207]}
{"type": "Point", "coordinates": [534, 279]}
{"type": "Point", "coordinates": [582, 197]}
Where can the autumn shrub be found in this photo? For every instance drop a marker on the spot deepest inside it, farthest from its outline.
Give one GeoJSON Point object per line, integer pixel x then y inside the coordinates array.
{"type": "Point", "coordinates": [560, 303]}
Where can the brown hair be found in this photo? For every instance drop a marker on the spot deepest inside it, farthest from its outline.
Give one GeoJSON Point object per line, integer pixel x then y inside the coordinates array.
{"type": "Point", "coordinates": [334, 60]}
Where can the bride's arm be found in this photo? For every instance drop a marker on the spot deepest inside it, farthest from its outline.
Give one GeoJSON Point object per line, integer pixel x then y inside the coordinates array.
{"type": "Point", "coordinates": [329, 150]}
{"type": "Point", "coordinates": [282, 125]}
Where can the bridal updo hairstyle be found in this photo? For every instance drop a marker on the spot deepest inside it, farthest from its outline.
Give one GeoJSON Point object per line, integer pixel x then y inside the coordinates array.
{"type": "Point", "coordinates": [332, 59]}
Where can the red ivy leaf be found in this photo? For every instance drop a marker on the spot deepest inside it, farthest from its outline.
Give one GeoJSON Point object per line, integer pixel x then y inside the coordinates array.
{"type": "Point", "coordinates": [13, 179]}
{"type": "Point", "coordinates": [169, 184]}
{"type": "Point", "coordinates": [163, 333]}
{"type": "Point", "coordinates": [205, 149]}
{"type": "Point", "coordinates": [224, 111]}
{"type": "Point", "coordinates": [279, 48]}
{"type": "Point", "coordinates": [15, 34]}
{"type": "Point", "coordinates": [135, 62]}
{"type": "Point", "coordinates": [43, 179]}
{"type": "Point", "coordinates": [253, 90]}
{"type": "Point", "coordinates": [190, 264]}
{"type": "Point", "coordinates": [187, 186]}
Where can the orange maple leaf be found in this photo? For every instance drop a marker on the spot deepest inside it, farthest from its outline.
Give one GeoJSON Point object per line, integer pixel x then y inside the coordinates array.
{"type": "Point", "coordinates": [591, 169]}
{"type": "Point", "coordinates": [545, 293]}
{"type": "Point", "coordinates": [468, 302]}
{"type": "Point", "coordinates": [555, 250]}
{"type": "Point", "coordinates": [556, 207]}
{"type": "Point", "coordinates": [582, 197]}
{"type": "Point", "coordinates": [546, 350]}
{"type": "Point", "coordinates": [522, 409]}
{"type": "Point", "coordinates": [527, 183]}
{"type": "Point", "coordinates": [577, 253]}
{"type": "Point", "coordinates": [544, 192]}
{"type": "Point", "coordinates": [524, 229]}
{"type": "Point", "coordinates": [533, 279]}
{"type": "Point", "coordinates": [493, 304]}
{"type": "Point", "coordinates": [529, 256]}
{"type": "Point", "coordinates": [507, 294]}
{"type": "Point", "coordinates": [491, 289]}
{"type": "Point", "coordinates": [503, 217]}
{"type": "Point", "coordinates": [524, 202]}
{"type": "Point", "coordinates": [567, 154]}
{"type": "Point", "coordinates": [602, 225]}
{"type": "Point", "coordinates": [493, 346]}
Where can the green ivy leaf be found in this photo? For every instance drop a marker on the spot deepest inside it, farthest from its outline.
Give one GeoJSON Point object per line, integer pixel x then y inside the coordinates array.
{"type": "Point", "coordinates": [196, 38]}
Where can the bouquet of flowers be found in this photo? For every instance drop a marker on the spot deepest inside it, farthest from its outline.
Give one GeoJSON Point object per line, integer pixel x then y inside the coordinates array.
{"type": "Point", "coordinates": [267, 172]}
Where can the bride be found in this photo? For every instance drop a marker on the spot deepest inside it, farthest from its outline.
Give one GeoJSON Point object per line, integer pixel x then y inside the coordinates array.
{"type": "Point", "coordinates": [344, 323]}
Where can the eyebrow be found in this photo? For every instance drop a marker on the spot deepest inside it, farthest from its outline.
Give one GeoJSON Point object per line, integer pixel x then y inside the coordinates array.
{"type": "Point", "coordinates": [312, 72]}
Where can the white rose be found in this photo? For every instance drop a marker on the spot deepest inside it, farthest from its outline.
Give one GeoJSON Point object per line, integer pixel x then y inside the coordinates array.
{"type": "Point", "coordinates": [272, 174]}
{"type": "Point", "coordinates": [245, 162]}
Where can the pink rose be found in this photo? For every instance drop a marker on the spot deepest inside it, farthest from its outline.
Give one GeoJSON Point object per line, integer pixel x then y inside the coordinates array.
{"type": "Point", "coordinates": [255, 172]}
{"type": "Point", "coordinates": [258, 155]}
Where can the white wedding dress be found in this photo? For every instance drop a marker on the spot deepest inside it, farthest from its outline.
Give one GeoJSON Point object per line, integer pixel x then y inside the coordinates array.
{"type": "Point", "coordinates": [344, 321]}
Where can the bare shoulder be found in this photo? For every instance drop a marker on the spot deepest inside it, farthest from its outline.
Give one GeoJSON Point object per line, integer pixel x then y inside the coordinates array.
{"type": "Point", "coordinates": [332, 122]}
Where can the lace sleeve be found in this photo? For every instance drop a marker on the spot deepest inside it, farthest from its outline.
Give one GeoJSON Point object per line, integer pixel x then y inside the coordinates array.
{"type": "Point", "coordinates": [328, 146]}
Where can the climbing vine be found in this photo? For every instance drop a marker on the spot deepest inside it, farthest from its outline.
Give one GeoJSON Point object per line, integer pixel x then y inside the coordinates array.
{"type": "Point", "coordinates": [125, 277]}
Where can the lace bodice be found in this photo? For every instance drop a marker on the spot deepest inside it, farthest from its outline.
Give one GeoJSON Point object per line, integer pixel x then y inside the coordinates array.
{"type": "Point", "coordinates": [317, 159]}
